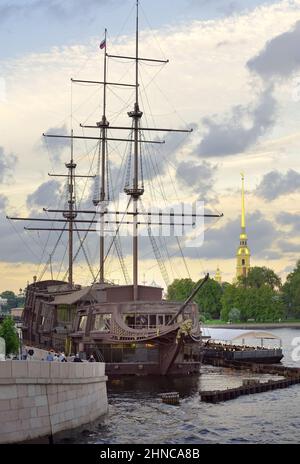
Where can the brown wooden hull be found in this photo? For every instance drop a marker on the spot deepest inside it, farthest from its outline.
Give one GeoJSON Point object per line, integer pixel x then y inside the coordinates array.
{"type": "Point", "coordinates": [114, 370]}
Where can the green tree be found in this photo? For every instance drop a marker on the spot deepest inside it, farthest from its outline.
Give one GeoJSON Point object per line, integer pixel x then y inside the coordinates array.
{"type": "Point", "coordinates": [261, 276]}
{"type": "Point", "coordinates": [261, 304]}
{"type": "Point", "coordinates": [180, 289]}
{"type": "Point", "coordinates": [209, 299]}
{"type": "Point", "coordinates": [234, 315]}
{"type": "Point", "coordinates": [291, 292]}
{"type": "Point", "coordinates": [11, 298]}
{"type": "Point", "coordinates": [9, 333]}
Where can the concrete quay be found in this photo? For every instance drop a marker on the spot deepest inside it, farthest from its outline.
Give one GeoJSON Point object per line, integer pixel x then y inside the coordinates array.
{"type": "Point", "coordinates": [40, 398]}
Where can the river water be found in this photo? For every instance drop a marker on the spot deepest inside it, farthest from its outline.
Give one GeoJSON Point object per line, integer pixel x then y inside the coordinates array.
{"type": "Point", "coordinates": [136, 414]}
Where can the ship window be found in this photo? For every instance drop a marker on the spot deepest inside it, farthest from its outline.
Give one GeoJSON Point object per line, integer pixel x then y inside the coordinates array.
{"type": "Point", "coordinates": [152, 321]}
{"type": "Point", "coordinates": [129, 320]}
{"type": "Point", "coordinates": [65, 313]}
{"type": "Point", "coordinates": [168, 317]}
{"type": "Point", "coordinates": [160, 319]}
{"type": "Point", "coordinates": [102, 322]}
{"type": "Point", "coordinates": [141, 320]}
{"type": "Point", "coordinates": [82, 323]}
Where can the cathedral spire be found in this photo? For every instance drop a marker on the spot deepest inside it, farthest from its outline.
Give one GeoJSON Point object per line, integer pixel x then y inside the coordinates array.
{"type": "Point", "coordinates": [243, 223]}
{"type": "Point", "coordinates": [243, 252]}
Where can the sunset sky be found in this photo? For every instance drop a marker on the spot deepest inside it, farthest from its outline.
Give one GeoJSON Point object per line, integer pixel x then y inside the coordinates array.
{"type": "Point", "coordinates": [233, 75]}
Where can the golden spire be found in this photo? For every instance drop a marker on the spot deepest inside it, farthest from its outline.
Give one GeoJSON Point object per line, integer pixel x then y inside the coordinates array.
{"type": "Point", "coordinates": [243, 222]}
{"type": "Point", "coordinates": [218, 276]}
{"type": "Point", "coordinates": [243, 252]}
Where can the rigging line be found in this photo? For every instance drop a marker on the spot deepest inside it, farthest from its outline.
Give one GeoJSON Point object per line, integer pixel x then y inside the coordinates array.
{"type": "Point", "coordinates": [123, 109]}
{"type": "Point", "coordinates": [112, 242]}
{"type": "Point", "coordinates": [67, 116]}
{"type": "Point", "coordinates": [81, 244]}
{"type": "Point", "coordinates": [86, 100]}
{"type": "Point", "coordinates": [183, 257]}
{"type": "Point", "coordinates": [122, 99]}
{"type": "Point", "coordinates": [22, 239]}
{"type": "Point", "coordinates": [52, 253]}
{"type": "Point", "coordinates": [155, 168]}
{"type": "Point", "coordinates": [61, 264]}
{"type": "Point", "coordinates": [118, 244]}
{"type": "Point", "coordinates": [165, 247]}
{"type": "Point", "coordinates": [121, 79]}
{"type": "Point", "coordinates": [152, 30]}
{"type": "Point", "coordinates": [164, 196]}
{"type": "Point", "coordinates": [169, 102]}
{"type": "Point", "coordinates": [60, 200]}
{"type": "Point", "coordinates": [85, 254]}
{"type": "Point", "coordinates": [157, 252]}
{"type": "Point", "coordinates": [95, 110]}
{"type": "Point", "coordinates": [114, 42]}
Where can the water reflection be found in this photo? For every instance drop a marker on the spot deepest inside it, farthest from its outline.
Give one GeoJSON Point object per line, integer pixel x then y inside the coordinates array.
{"type": "Point", "coordinates": [149, 387]}
{"type": "Point", "coordinates": [137, 415]}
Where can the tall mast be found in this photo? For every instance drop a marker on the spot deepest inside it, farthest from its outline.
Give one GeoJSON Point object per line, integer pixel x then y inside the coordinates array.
{"type": "Point", "coordinates": [71, 214]}
{"type": "Point", "coordinates": [103, 133]}
{"type": "Point", "coordinates": [136, 192]}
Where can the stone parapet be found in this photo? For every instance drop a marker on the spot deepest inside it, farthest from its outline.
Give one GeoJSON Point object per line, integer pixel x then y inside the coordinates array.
{"type": "Point", "coordinates": [40, 398]}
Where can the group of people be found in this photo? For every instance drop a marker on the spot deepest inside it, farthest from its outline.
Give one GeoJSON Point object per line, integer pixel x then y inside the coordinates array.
{"type": "Point", "coordinates": [52, 356]}
{"type": "Point", "coordinates": [61, 357]}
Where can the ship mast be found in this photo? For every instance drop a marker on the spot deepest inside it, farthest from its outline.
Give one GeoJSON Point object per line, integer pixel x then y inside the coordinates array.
{"type": "Point", "coordinates": [103, 125]}
{"type": "Point", "coordinates": [71, 214]}
{"type": "Point", "coordinates": [136, 116]}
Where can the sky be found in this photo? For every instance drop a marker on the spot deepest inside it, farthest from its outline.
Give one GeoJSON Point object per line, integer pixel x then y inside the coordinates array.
{"type": "Point", "coordinates": [233, 76]}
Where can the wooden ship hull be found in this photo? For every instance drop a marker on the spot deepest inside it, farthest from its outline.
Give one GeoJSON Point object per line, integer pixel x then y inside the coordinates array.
{"type": "Point", "coordinates": [131, 337]}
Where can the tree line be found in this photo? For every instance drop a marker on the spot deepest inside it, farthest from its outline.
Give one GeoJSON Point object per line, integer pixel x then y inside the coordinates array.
{"type": "Point", "coordinates": [259, 297]}
{"type": "Point", "coordinates": [13, 300]}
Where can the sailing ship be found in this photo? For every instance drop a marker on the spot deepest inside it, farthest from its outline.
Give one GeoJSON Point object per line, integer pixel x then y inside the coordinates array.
{"type": "Point", "coordinates": [130, 327]}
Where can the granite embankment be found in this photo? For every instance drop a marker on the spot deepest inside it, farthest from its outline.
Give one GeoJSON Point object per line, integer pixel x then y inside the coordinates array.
{"type": "Point", "coordinates": [40, 398]}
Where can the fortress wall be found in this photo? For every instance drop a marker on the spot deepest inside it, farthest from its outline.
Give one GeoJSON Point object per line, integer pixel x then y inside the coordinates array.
{"type": "Point", "coordinates": [40, 398]}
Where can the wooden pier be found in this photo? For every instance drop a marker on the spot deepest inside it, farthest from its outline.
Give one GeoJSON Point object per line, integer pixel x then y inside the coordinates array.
{"type": "Point", "coordinates": [251, 386]}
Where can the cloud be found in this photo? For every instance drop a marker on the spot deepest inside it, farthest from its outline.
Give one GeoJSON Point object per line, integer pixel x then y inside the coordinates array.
{"type": "Point", "coordinates": [288, 247]}
{"type": "Point", "coordinates": [56, 146]}
{"type": "Point", "coordinates": [199, 177]}
{"type": "Point", "coordinates": [280, 56]}
{"type": "Point", "coordinates": [7, 163]}
{"type": "Point", "coordinates": [275, 184]}
{"type": "Point", "coordinates": [49, 193]}
{"type": "Point", "coordinates": [232, 136]}
{"type": "Point", "coordinates": [290, 220]}
{"type": "Point", "coordinates": [156, 160]}
{"type": "Point", "coordinates": [3, 202]}
{"type": "Point", "coordinates": [59, 9]}
{"type": "Point", "coordinates": [222, 243]}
